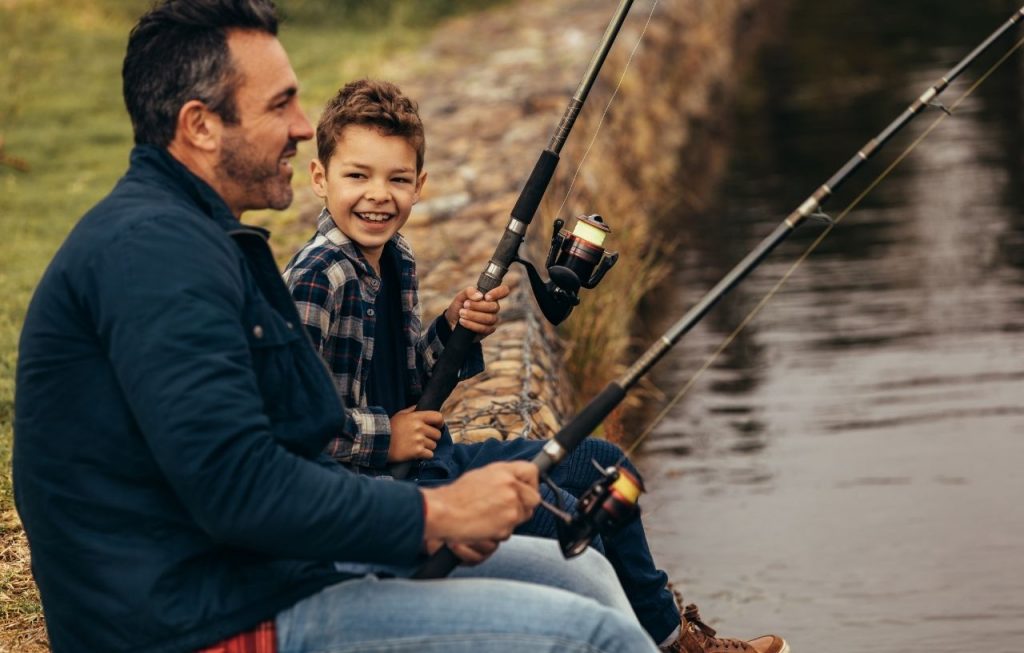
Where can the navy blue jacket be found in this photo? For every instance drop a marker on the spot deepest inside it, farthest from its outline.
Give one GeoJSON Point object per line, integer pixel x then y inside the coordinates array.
{"type": "Point", "coordinates": [170, 418]}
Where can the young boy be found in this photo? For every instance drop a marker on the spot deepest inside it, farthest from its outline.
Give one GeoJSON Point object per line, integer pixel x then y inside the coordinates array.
{"type": "Point", "coordinates": [355, 286]}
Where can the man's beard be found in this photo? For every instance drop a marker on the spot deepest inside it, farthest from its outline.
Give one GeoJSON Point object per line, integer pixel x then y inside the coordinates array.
{"type": "Point", "coordinates": [260, 184]}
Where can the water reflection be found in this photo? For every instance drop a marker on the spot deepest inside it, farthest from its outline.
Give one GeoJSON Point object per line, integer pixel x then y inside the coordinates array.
{"type": "Point", "coordinates": [846, 472]}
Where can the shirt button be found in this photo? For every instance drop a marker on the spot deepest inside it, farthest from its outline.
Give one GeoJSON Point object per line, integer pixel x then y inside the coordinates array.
{"type": "Point", "coordinates": [290, 325]}
{"type": "Point", "coordinates": [257, 331]}
{"type": "Point", "coordinates": [369, 312]}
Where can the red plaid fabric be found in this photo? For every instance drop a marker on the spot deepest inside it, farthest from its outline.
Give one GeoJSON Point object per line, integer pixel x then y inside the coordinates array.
{"type": "Point", "coordinates": [261, 639]}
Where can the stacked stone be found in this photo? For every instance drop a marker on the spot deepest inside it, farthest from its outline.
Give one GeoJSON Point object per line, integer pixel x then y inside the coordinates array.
{"type": "Point", "coordinates": [506, 78]}
{"type": "Point", "coordinates": [491, 89]}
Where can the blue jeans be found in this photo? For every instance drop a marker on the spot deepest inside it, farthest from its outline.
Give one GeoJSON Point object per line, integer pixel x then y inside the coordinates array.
{"type": "Point", "coordinates": [646, 586]}
{"type": "Point", "coordinates": [523, 598]}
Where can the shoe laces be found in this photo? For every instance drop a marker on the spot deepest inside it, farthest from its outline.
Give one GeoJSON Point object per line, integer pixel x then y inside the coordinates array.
{"type": "Point", "coordinates": [696, 625]}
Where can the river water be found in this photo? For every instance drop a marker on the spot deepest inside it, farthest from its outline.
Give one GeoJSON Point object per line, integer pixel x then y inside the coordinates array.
{"type": "Point", "coordinates": [848, 472]}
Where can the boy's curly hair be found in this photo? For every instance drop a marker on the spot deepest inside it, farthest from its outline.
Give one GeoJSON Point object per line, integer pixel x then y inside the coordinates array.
{"type": "Point", "coordinates": [373, 103]}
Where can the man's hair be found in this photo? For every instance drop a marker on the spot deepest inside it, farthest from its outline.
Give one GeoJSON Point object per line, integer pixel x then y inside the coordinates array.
{"type": "Point", "coordinates": [371, 103]}
{"type": "Point", "coordinates": [178, 52]}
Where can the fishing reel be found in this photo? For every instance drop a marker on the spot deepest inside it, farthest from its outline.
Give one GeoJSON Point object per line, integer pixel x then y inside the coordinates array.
{"type": "Point", "coordinates": [608, 505]}
{"type": "Point", "coordinates": [577, 259]}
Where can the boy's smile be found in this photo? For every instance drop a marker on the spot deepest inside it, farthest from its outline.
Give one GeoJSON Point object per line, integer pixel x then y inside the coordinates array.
{"type": "Point", "coordinates": [369, 186]}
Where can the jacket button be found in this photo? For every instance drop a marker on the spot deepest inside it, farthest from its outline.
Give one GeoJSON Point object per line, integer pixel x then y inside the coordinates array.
{"type": "Point", "coordinates": [290, 325]}
{"type": "Point", "coordinates": [257, 331]}
{"type": "Point", "coordinates": [369, 312]}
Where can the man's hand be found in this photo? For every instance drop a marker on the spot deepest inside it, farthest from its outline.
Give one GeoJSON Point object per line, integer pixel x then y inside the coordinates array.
{"type": "Point", "coordinates": [469, 553]}
{"type": "Point", "coordinates": [476, 311]}
{"type": "Point", "coordinates": [480, 509]}
{"type": "Point", "coordinates": [414, 434]}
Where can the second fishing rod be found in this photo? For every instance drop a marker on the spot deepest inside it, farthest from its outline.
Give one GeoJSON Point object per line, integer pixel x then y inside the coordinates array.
{"type": "Point", "coordinates": [575, 260]}
{"type": "Point", "coordinates": [609, 501]}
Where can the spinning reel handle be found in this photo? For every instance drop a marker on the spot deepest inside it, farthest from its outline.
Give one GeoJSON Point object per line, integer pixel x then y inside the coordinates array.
{"type": "Point", "coordinates": [607, 505]}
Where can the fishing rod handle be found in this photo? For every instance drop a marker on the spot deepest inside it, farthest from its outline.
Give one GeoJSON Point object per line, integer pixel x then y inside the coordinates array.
{"type": "Point", "coordinates": [445, 375]}
{"type": "Point", "coordinates": [443, 379]}
{"type": "Point", "coordinates": [438, 565]}
{"type": "Point", "coordinates": [512, 238]}
{"type": "Point", "coordinates": [576, 431]}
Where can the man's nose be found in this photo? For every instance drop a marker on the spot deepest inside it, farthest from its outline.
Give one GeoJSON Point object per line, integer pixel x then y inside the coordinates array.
{"type": "Point", "coordinates": [301, 128]}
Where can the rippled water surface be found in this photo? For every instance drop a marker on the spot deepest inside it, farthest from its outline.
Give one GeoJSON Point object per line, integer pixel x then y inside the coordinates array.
{"type": "Point", "coordinates": [848, 472]}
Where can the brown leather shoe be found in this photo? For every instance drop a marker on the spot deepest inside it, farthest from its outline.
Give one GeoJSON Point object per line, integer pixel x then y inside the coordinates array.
{"type": "Point", "coordinates": [695, 636]}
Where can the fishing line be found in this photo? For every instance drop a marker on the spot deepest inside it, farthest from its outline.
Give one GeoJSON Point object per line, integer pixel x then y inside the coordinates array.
{"type": "Point", "coordinates": [607, 108]}
{"type": "Point", "coordinates": [833, 223]}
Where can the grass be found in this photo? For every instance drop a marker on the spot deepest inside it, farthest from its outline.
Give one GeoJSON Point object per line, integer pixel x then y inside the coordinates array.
{"type": "Point", "coordinates": [64, 141]}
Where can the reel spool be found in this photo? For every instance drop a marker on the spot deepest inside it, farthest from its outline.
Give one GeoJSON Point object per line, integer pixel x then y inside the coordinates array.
{"type": "Point", "coordinates": [575, 259]}
{"type": "Point", "coordinates": [608, 505]}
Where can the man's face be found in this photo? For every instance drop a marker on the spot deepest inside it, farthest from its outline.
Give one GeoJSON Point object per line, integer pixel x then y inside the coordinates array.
{"type": "Point", "coordinates": [369, 187]}
{"type": "Point", "coordinates": [254, 170]}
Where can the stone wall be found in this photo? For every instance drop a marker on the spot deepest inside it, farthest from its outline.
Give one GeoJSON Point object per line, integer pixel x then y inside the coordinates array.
{"type": "Point", "coordinates": [491, 89]}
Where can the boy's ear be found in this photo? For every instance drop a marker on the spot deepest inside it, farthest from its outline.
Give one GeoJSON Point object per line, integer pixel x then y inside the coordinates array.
{"type": "Point", "coordinates": [318, 178]}
{"type": "Point", "coordinates": [422, 179]}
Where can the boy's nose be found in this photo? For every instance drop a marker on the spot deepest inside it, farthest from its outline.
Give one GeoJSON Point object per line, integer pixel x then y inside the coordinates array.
{"type": "Point", "coordinates": [377, 193]}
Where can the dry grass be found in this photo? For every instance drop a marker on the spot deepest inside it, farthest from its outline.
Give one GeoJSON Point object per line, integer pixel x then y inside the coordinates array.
{"type": "Point", "coordinates": [22, 629]}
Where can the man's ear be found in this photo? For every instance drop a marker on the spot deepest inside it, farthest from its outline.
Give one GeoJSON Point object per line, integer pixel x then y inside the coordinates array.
{"type": "Point", "coordinates": [318, 178]}
{"type": "Point", "coordinates": [198, 127]}
{"type": "Point", "coordinates": [422, 179]}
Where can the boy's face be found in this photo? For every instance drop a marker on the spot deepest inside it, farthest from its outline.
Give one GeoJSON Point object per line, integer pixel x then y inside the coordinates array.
{"type": "Point", "coordinates": [369, 186]}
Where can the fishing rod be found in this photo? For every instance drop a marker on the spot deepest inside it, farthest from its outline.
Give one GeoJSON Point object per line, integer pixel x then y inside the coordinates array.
{"type": "Point", "coordinates": [575, 259]}
{"type": "Point", "coordinates": [612, 501]}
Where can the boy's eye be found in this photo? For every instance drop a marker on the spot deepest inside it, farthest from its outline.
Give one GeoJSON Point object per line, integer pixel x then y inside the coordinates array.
{"type": "Point", "coordinates": [355, 175]}
{"type": "Point", "coordinates": [402, 180]}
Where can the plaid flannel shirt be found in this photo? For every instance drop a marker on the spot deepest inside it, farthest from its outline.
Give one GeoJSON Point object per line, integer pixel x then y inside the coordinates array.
{"type": "Point", "coordinates": [335, 288]}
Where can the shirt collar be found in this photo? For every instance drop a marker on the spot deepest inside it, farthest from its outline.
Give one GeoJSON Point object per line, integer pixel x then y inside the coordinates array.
{"type": "Point", "coordinates": [325, 227]}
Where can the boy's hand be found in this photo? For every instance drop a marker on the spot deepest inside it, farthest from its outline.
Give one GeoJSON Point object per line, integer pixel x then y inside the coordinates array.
{"type": "Point", "coordinates": [476, 311]}
{"type": "Point", "coordinates": [414, 434]}
{"type": "Point", "coordinates": [480, 509]}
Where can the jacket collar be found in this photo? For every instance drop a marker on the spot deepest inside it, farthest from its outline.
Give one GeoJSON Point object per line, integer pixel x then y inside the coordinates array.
{"type": "Point", "coordinates": [156, 163]}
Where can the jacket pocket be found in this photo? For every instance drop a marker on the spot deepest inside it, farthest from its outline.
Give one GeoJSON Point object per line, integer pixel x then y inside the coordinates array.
{"type": "Point", "coordinates": [271, 342]}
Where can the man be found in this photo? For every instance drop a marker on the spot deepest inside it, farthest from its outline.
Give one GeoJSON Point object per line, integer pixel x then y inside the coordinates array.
{"type": "Point", "coordinates": [171, 412]}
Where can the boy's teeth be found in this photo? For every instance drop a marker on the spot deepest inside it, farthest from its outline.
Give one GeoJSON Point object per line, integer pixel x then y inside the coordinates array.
{"type": "Point", "coordinates": [375, 217]}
